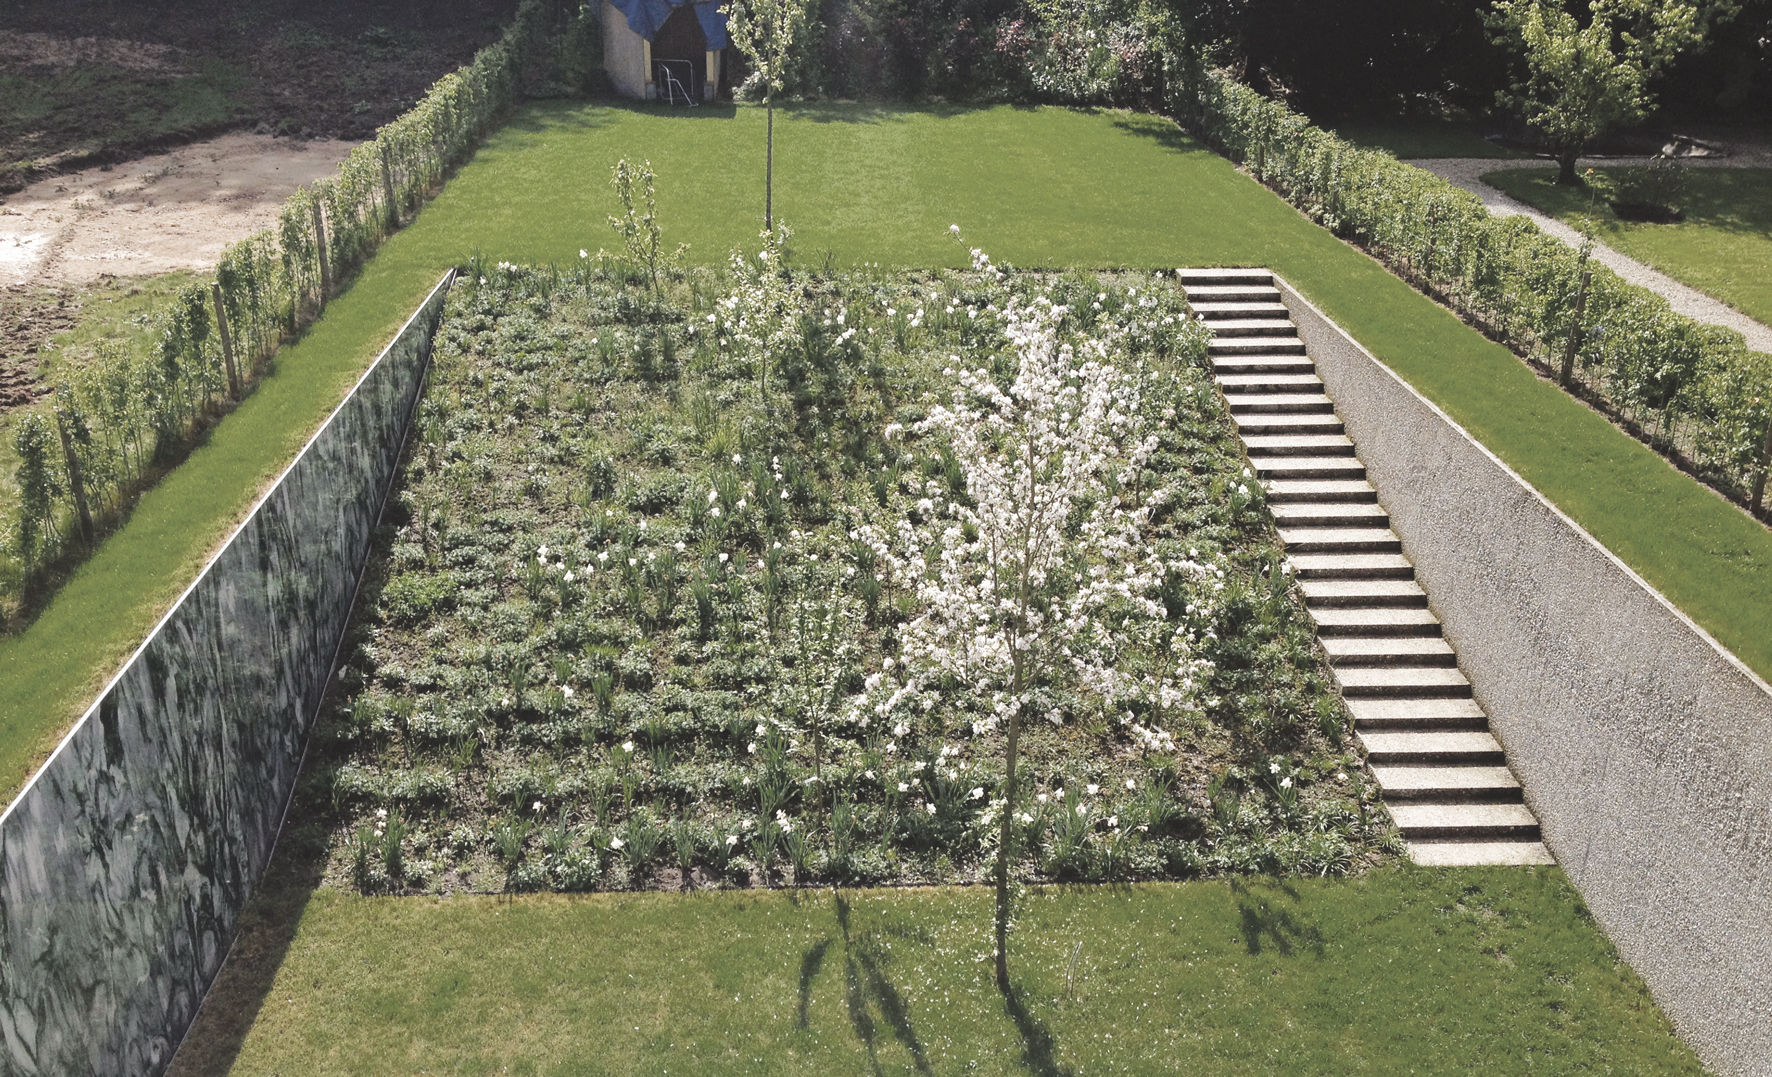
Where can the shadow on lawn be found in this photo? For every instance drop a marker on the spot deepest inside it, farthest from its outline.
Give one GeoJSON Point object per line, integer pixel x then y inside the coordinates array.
{"type": "Point", "coordinates": [1262, 918]}
{"type": "Point", "coordinates": [266, 930]}
{"type": "Point", "coordinates": [868, 990]}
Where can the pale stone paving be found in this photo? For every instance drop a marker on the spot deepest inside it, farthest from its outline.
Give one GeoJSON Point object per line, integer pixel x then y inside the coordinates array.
{"type": "Point", "coordinates": [1443, 775]}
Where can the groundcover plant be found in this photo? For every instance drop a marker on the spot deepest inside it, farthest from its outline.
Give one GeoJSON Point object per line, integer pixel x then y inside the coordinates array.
{"type": "Point", "coordinates": [718, 578]}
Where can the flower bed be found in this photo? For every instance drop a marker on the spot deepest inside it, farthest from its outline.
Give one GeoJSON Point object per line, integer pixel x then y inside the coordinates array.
{"type": "Point", "coordinates": [693, 588]}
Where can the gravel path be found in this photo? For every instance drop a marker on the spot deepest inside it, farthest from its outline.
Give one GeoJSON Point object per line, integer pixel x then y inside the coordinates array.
{"type": "Point", "coordinates": [1467, 173]}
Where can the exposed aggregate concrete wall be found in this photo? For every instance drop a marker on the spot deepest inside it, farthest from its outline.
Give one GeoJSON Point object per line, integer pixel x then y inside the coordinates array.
{"type": "Point", "coordinates": [1644, 747]}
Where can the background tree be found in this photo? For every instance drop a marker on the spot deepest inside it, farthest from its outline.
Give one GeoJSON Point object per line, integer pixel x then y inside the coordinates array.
{"type": "Point", "coordinates": [1580, 81]}
{"type": "Point", "coordinates": [767, 32]}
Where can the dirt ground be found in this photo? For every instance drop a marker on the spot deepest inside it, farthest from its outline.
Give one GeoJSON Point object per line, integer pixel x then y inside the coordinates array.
{"type": "Point", "coordinates": [170, 211]}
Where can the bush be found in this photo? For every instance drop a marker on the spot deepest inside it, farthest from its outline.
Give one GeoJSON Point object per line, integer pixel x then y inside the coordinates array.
{"type": "Point", "coordinates": [1653, 192]}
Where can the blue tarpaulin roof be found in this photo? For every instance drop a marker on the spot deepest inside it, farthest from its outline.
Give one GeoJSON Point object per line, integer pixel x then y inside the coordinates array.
{"type": "Point", "coordinates": [646, 16]}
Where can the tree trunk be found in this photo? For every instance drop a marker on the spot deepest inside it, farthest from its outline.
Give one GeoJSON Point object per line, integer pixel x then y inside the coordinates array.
{"type": "Point", "coordinates": [1566, 168]}
{"type": "Point", "coordinates": [1006, 836]}
{"type": "Point", "coordinates": [769, 168]}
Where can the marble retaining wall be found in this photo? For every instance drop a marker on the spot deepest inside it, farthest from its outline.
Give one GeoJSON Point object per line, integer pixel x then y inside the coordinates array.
{"type": "Point", "coordinates": [1644, 746]}
{"type": "Point", "coordinates": [124, 865]}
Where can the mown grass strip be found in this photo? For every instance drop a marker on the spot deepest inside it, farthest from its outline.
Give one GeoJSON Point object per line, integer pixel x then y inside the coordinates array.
{"type": "Point", "coordinates": [1035, 187]}
{"type": "Point", "coordinates": [1401, 971]}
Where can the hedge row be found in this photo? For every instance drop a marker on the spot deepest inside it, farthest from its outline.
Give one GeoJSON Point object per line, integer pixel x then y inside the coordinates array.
{"type": "Point", "coordinates": [97, 437]}
{"type": "Point", "coordinates": [1692, 390]}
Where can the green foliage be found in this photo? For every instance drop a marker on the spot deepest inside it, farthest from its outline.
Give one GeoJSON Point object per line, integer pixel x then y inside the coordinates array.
{"type": "Point", "coordinates": [1661, 184]}
{"type": "Point", "coordinates": [638, 223]}
{"type": "Point", "coordinates": [1686, 387]}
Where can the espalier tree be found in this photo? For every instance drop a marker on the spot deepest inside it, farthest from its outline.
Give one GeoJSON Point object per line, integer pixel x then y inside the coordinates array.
{"type": "Point", "coordinates": [768, 32]}
{"type": "Point", "coordinates": [1580, 81]}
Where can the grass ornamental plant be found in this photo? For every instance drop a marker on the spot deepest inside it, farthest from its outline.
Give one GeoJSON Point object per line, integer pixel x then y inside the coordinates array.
{"type": "Point", "coordinates": [747, 586]}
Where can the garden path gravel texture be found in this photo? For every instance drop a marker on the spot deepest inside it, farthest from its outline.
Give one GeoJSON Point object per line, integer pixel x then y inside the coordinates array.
{"type": "Point", "coordinates": [1467, 172]}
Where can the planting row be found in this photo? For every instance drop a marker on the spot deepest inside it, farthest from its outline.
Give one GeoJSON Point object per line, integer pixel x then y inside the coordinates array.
{"type": "Point", "coordinates": [753, 576]}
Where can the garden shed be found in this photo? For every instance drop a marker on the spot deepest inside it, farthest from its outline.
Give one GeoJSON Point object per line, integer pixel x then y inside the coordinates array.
{"type": "Point", "coordinates": [665, 50]}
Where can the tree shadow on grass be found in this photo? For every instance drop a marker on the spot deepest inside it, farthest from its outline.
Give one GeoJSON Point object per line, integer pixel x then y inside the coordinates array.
{"type": "Point", "coordinates": [867, 987]}
{"type": "Point", "coordinates": [1039, 1047]}
{"type": "Point", "coordinates": [1262, 918]}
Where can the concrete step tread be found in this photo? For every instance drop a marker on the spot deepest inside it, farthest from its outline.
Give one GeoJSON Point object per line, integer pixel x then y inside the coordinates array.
{"type": "Point", "coordinates": [1470, 854]}
{"type": "Point", "coordinates": [1208, 274]}
{"type": "Point", "coordinates": [1336, 536]}
{"type": "Point", "coordinates": [1211, 310]}
{"type": "Point", "coordinates": [1279, 401]}
{"type": "Point", "coordinates": [1266, 345]}
{"type": "Point", "coordinates": [1392, 746]}
{"type": "Point", "coordinates": [1264, 382]}
{"type": "Point", "coordinates": [1257, 289]}
{"type": "Point", "coordinates": [1281, 422]}
{"type": "Point", "coordinates": [1303, 489]}
{"type": "Point", "coordinates": [1257, 364]}
{"type": "Point", "coordinates": [1274, 326]}
{"type": "Point", "coordinates": [1454, 779]}
{"type": "Point", "coordinates": [1299, 444]}
{"type": "Point", "coordinates": [1416, 712]}
{"type": "Point", "coordinates": [1282, 466]}
{"type": "Point", "coordinates": [1364, 592]}
{"type": "Point", "coordinates": [1472, 816]}
{"type": "Point", "coordinates": [1401, 677]}
{"type": "Point", "coordinates": [1330, 514]}
{"type": "Point", "coordinates": [1374, 622]}
{"type": "Point", "coordinates": [1402, 647]}
{"type": "Point", "coordinates": [1312, 563]}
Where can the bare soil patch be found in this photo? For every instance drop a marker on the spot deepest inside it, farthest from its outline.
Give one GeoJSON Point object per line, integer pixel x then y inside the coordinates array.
{"type": "Point", "coordinates": [174, 210]}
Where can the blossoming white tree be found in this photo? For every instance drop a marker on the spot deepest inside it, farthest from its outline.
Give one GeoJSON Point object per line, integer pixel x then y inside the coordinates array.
{"type": "Point", "coordinates": [1047, 571]}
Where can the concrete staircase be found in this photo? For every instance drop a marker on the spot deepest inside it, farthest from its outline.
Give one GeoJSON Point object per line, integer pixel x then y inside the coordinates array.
{"type": "Point", "coordinates": [1442, 774]}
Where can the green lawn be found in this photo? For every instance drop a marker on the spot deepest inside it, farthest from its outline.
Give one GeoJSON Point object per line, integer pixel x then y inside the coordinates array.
{"type": "Point", "coordinates": [1036, 187]}
{"type": "Point", "coordinates": [1723, 247]}
{"type": "Point", "coordinates": [1402, 971]}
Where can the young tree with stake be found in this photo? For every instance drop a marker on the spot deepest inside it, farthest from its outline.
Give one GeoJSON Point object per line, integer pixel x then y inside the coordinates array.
{"type": "Point", "coordinates": [767, 32]}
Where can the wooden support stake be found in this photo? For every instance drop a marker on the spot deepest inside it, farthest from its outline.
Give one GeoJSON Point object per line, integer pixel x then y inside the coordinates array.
{"type": "Point", "coordinates": [387, 187]}
{"type": "Point", "coordinates": [1759, 499]}
{"type": "Point", "coordinates": [325, 258]}
{"type": "Point", "coordinates": [1574, 343]}
{"type": "Point", "coordinates": [76, 482]}
{"type": "Point", "coordinates": [227, 340]}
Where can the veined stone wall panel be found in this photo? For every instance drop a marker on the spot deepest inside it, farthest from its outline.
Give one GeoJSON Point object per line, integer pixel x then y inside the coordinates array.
{"type": "Point", "coordinates": [126, 862]}
{"type": "Point", "coordinates": [1644, 746]}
